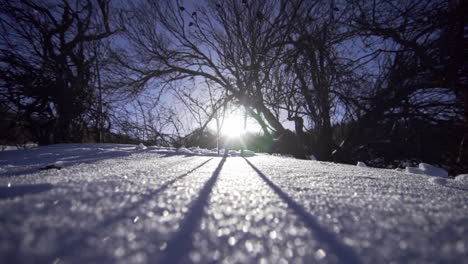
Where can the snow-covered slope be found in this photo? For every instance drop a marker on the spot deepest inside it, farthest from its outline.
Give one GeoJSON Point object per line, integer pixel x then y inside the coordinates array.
{"type": "Point", "coordinates": [135, 204]}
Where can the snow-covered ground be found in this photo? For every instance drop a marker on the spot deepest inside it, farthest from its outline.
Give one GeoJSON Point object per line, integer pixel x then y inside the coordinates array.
{"type": "Point", "coordinates": [90, 203]}
{"type": "Point", "coordinates": [24, 146]}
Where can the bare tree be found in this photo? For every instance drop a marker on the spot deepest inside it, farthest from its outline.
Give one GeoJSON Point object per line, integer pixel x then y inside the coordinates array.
{"type": "Point", "coordinates": [47, 62]}
{"type": "Point", "coordinates": [235, 45]}
{"type": "Point", "coordinates": [319, 71]}
{"type": "Point", "coordinates": [423, 78]}
{"type": "Point", "coordinates": [340, 70]}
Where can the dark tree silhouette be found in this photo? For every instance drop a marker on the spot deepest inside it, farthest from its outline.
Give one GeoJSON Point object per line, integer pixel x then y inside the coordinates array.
{"type": "Point", "coordinates": [422, 79]}
{"type": "Point", "coordinates": [47, 64]}
{"type": "Point", "coordinates": [228, 45]}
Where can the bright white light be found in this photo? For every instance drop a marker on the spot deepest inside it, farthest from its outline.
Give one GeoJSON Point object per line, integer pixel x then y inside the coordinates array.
{"type": "Point", "coordinates": [233, 126]}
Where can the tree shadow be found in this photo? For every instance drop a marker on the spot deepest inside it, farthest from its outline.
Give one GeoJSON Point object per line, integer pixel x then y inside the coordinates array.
{"type": "Point", "coordinates": [21, 190]}
{"type": "Point", "coordinates": [344, 253]}
{"type": "Point", "coordinates": [146, 197]}
{"type": "Point", "coordinates": [80, 240]}
{"type": "Point", "coordinates": [181, 243]}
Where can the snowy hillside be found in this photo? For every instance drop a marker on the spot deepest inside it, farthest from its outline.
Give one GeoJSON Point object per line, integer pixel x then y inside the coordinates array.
{"type": "Point", "coordinates": [85, 203]}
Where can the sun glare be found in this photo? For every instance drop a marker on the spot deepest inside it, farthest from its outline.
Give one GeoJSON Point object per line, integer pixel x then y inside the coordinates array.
{"type": "Point", "coordinates": [233, 126]}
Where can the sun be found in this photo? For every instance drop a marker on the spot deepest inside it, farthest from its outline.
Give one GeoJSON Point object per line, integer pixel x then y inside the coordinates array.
{"type": "Point", "coordinates": [233, 126]}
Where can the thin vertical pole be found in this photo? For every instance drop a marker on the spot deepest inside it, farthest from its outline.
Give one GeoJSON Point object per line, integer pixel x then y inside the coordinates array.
{"type": "Point", "coordinates": [100, 123]}
{"type": "Point", "coordinates": [244, 131]}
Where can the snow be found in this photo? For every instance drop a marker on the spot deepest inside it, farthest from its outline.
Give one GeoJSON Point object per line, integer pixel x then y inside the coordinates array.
{"type": "Point", "coordinates": [121, 204]}
{"type": "Point", "coordinates": [248, 153]}
{"type": "Point", "coordinates": [24, 146]}
{"type": "Point", "coordinates": [414, 170]}
{"type": "Point", "coordinates": [283, 155]}
{"type": "Point", "coordinates": [184, 150]}
{"type": "Point", "coordinates": [213, 152]}
{"type": "Point", "coordinates": [462, 178]}
{"type": "Point", "coordinates": [437, 180]}
{"type": "Point", "coordinates": [141, 146]}
{"type": "Point", "coordinates": [433, 171]}
{"type": "Point", "coordinates": [6, 148]}
{"type": "Point", "coordinates": [361, 164]}
{"type": "Point", "coordinates": [427, 169]}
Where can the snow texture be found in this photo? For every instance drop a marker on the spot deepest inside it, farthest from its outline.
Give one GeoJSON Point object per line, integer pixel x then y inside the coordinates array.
{"type": "Point", "coordinates": [438, 180]}
{"type": "Point", "coordinates": [104, 203]}
{"type": "Point", "coordinates": [462, 178]}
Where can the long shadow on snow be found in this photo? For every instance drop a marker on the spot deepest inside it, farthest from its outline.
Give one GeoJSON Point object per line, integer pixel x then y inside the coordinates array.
{"type": "Point", "coordinates": [182, 242]}
{"type": "Point", "coordinates": [21, 190]}
{"type": "Point", "coordinates": [344, 253]}
{"type": "Point", "coordinates": [122, 215]}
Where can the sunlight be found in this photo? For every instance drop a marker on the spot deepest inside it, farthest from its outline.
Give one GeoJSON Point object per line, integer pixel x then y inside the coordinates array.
{"type": "Point", "coordinates": [233, 126]}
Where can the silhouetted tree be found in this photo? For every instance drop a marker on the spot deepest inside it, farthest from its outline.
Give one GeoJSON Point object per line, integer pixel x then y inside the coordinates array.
{"type": "Point", "coordinates": [232, 45]}
{"type": "Point", "coordinates": [47, 63]}
{"type": "Point", "coordinates": [321, 73]}
{"type": "Point", "coordinates": [419, 81]}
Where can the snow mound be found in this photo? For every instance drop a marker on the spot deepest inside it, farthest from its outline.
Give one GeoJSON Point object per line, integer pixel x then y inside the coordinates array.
{"type": "Point", "coordinates": [427, 169]}
{"type": "Point", "coordinates": [6, 148]}
{"type": "Point", "coordinates": [413, 170]}
{"type": "Point", "coordinates": [184, 150]}
{"type": "Point", "coordinates": [433, 171]}
{"type": "Point", "coordinates": [59, 163]}
{"type": "Point", "coordinates": [462, 178]}
{"type": "Point", "coordinates": [438, 180]}
{"type": "Point", "coordinates": [312, 157]}
{"type": "Point", "coordinates": [248, 153]}
{"type": "Point", "coordinates": [25, 146]}
{"type": "Point", "coordinates": [141, 146]}
{"type": "Point", "coordinates": [283, 155]}
{"type": "Point", "coordinates": [201, 151]}
{"type": "Point", "coordinates": [197, 151]}
{"type": "Point", "coordinates": [361, 164]}
{"type": "Point", "coordinates": [237, 153]}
